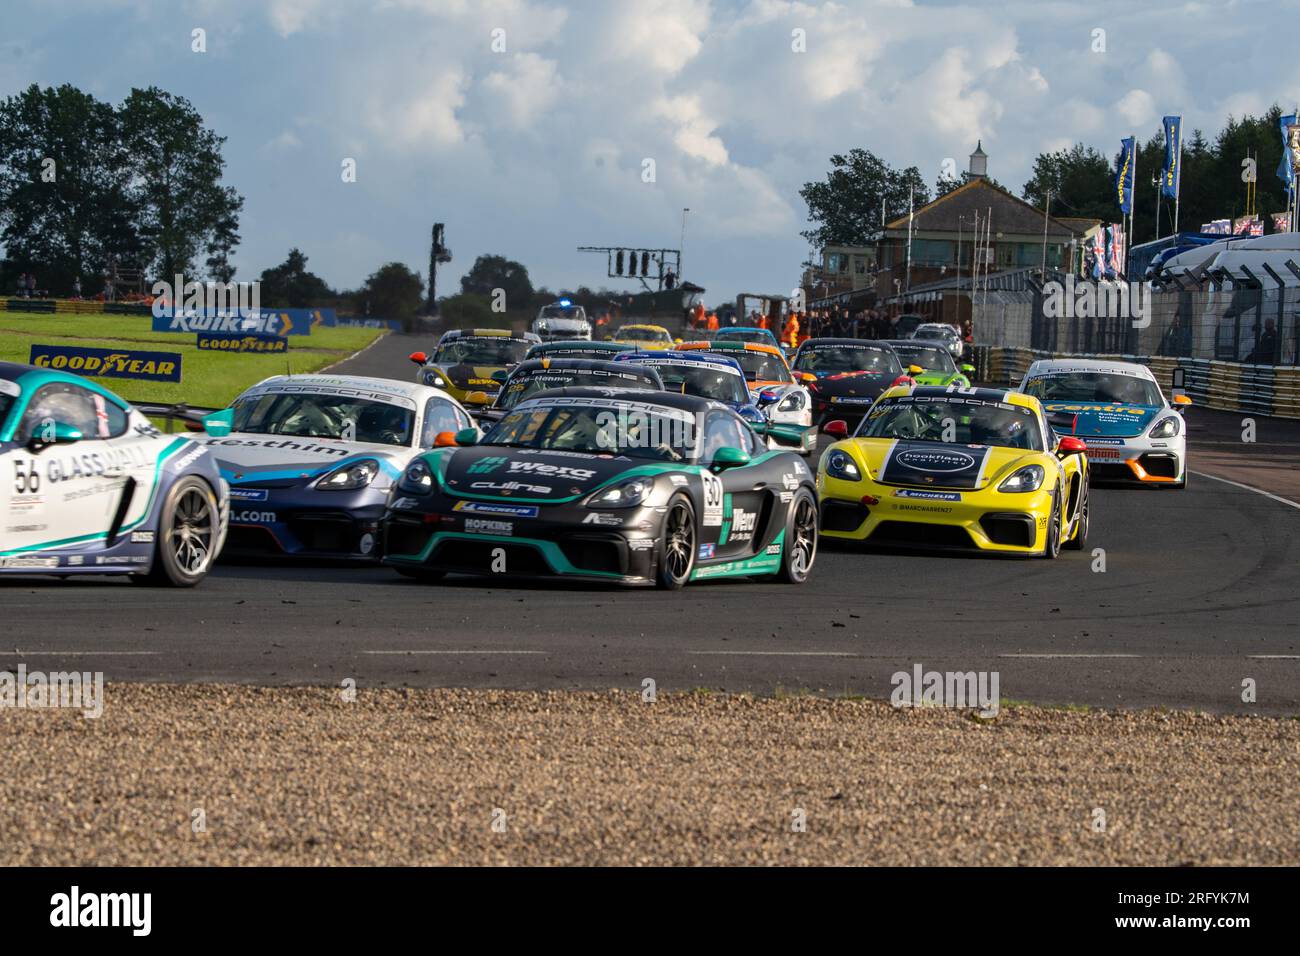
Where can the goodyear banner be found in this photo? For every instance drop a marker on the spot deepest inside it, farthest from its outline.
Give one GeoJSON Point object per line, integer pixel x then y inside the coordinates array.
{"type": "Point", "coordinates": [1126, 174]}
{"type": "Point", "coordinates": [108, 363]}
{"type": "Point", "coordinates": [269, 322]}
{"type": "Point", "coordinates": [222, 342]}
{"type": "Point", "coordinates": [1173, 156]}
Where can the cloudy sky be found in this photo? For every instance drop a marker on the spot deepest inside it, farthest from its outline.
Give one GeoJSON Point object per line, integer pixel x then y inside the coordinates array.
{"type": "Point", "coordinates": [532, 150]}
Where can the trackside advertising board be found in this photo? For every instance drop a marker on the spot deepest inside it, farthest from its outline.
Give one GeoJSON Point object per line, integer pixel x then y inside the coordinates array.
{"type": "Point", "coordinates": [221, 342]}
{"type": "Point", "coordinates": [270, 322]}
{"type": "Point", "coordinates": [109, 363]}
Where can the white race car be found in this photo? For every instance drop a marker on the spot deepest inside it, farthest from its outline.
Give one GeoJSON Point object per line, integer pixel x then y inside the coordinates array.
{"type": "Point", "coordinates": [310, 459]}
{"type": "Point", "coordinates": [88, 485]}
{"type": "Point", "coordinates": [1133, 433]}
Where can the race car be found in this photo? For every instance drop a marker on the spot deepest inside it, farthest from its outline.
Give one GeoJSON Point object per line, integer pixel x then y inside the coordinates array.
{"type": "Point", "coordinates": [930, 364]}
{"type": "Point", "coordinates": [779, 393]}
{"type": "Point", "coordinates": [90, 486]}
{"type": "Point", "coordinates": [699, 374]}
{"type": "Point", "coordinates": [941, 334]}
{"type": "Point", "coordinates": [956, 468]}
{"type": "Point", "coordinates": [562, 320]}
{"type": "Point", "coordinates": [470, 364]}
{"type": "Point", "coordinates": [1134, 434]}
{"type": "Point", "coordinates": [537, 375]}
{"type": "Point", "coordinates": [578, 348]}
{"type": "Point", "coordinates": [849, 374]}
{"type": "Point", "coordinates": [310, 459]}
{"type": "Point", "coordinates": [611, 486]}
{"type": "Point", "coordinates": [744, 333]}
{"type": "Point", "coordinates": [644, 336]}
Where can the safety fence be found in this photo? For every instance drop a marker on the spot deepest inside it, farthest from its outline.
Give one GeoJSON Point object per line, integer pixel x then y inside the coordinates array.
{"type": "Point", "coordinates": [1238, 348]}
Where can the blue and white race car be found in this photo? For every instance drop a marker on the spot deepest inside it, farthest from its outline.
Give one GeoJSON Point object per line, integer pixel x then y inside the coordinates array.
{"type": "Point", "coordinates": [1134, 434]}
{"type": "Point", "coordinates": [310, 459]}
{"type": "Point", "coordinates": [88, 485]}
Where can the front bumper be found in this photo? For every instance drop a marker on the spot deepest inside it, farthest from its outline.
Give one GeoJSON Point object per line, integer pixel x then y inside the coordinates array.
{"type": "Point", "coordinates": [300, 523]}
{"type": "Point", "coordinates": [930, 519]}
{"type": "Point", "coordinates": [1136, 461]}
{"type": "Point", "coordinates": [557, 542]}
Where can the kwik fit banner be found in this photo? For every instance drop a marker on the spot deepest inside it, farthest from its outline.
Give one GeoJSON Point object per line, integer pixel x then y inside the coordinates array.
{"type": "Point", "coordinates": [272, 322]}
{"type": "Point", "coordinates": [1126, 175]}
{"type": "Point", "coordinates": [1173, 156]}
{"type": "Point", "coordinates": [108, 363]}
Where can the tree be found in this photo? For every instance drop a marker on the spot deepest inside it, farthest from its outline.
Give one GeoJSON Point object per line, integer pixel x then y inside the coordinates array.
{"type": "Point", "coordinates": [469, 310]}
{"type": "Point", "coordinates": [290, 284]}
{"type": "Point", "coordinates": [63, 200]}
{"type": "Point", "coordinates": [943, 185]}
{"type": "Point", "coordinates": [393, 292]}
{"type": "Point", "coordinates": [175, 166]}
{"type": "Point", "coordinates": [490, 273]}
{"type": "Point", "coordinates": [1081, 182]}
{"type": "Point", "coordinates": [846, 206]}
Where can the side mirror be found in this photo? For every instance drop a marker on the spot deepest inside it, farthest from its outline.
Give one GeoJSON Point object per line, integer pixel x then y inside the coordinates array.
{"type": "Point", "coordinates": [466, 436]}
{"type": "Point", "coordinates": [839, 430]}
{"type": "Point", "coordinates": [729, 457]}
{"type": "Point", "coordinates": [805, 377]}
{"type": "Point", "coordinates": [219, 424]}
{"type": "Point", "coordinates": [419, 358]}
{"type": "Point", "coordinates": [968, 369]}
{"type": "Point", "coordinates": [478, 398]}
{"type": "Point", "coordinates": [1070, 446]}
{"type": "Point", "coordinates": [60, 433]}
{"type": "Point", "coordinates": [1181, 402]}
{"type": "Point", "coordinates": [500, 375]}
{"type": "Point", "coordinates": [444, 440]}
{"type": "Point", "coordinates": [915, 370]}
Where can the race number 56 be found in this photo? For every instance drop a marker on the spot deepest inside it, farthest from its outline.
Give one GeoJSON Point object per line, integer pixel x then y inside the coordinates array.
{"type": "Point", "coordinates": [26, 482]}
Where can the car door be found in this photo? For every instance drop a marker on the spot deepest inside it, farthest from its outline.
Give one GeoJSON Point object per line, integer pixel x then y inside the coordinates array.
{"type": "Point", "coordinates": [743, 491]}
{"type": "Point", "coordinates": [68, 492]}
{"type": "Point", "coordinates": [440, 416]}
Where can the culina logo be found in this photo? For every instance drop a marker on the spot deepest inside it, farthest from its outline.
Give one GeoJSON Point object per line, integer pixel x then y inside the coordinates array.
{"type": "Point", "coordinates": [485, 466]}
{"type": "Point", "coordinates": [1098, 299]}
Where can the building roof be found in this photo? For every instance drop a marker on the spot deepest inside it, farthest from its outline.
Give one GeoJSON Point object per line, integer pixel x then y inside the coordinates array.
{"type": "Point", "coordinates": [957, 209]}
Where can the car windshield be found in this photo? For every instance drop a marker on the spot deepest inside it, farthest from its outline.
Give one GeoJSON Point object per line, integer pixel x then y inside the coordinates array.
{"type": "Point", "coordinates": [1094, 387]}
{"type": "Point", "coordinates": [575, 313]}
{"type": "Point", "coordinates": [953, 420]}
{"type": "Point", "coordinates": [341, 417]}
{"type": "Point", "coordinates": [848, 358]}
{"type": "Point", "coordinates": [746, 336]}
{"type": "Point", "coordinates": [930, 359]}
{"type": "Point", "coordinates": [933, 333]}
{"type": "Point", "coordinates": [487, 352]}
{"type": "Point", "coordinates": [525, 386]}
{"type": "Point", "coordinates": [706, 381]}
{"type": "Point", "coordinates": [639, 333]}
{"type": "Point", "coordinates": [758, 366]}
{"type": "Point", "coordinates": [634, 429]}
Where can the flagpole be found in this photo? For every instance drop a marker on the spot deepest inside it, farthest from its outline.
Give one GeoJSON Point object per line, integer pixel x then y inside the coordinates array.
{"type": "Point", "coordinates": [1132, 205]}
{"type": "Point", "coordinates": [1178, 177]}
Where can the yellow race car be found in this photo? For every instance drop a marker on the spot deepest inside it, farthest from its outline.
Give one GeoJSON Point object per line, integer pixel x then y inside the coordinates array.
{"type": "Point", "coordinates": [951, 468]}
{"type": "Point", "coordinates": [651, 337]}
{"type": "Point", "coordinates": [471, 365]}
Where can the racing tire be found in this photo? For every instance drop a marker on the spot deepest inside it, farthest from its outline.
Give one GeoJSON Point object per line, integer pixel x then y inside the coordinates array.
{"type": "Point", "coordinates": [423, 575]}
{"type": "Point", "coordinates": [186, 537]}
{"type": "Point", "coordinates": [677, 548]}
{"type": "Point", "coordinates": [800, 552]}
{"type": "Point", "coordinates": [1052, 547]}
{"type": "Point", "coordinates": [1080, 539]}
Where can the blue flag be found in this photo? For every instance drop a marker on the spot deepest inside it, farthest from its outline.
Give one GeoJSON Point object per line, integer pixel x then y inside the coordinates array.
{"type": "Point", "coordinates": [1286, 170]}
{"type": "Point", "coordinates": [1173, 171]}
{"type": "Point", "coordinates": [1126, 175]}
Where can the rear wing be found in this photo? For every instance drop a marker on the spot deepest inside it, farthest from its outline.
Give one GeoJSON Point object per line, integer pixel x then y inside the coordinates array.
{"type": "Point", "coordinates": [190, 416]}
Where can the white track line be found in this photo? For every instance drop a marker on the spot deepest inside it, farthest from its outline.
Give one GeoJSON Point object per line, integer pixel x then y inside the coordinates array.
{"type": "Point", "coordinates": [1273, 657]}
{"type": "Point", "coordinates": [361, 351]}
{"type": "Point", "coordinates": [1259, 491]}
{"type": "Point", "coordinates": [1071, 656]}
{"type": "Point", "coordinates": [451, 652]}
{"type": "Point", "coordinates": [18, 653]}
{"type": "Point", "coordinates": [775, 653]}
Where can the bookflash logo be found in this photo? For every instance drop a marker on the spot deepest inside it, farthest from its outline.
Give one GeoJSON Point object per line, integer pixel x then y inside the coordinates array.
{"type": "Point", "coordinates": [103, 909]}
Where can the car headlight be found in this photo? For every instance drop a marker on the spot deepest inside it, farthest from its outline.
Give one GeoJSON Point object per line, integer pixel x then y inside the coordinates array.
{"type": "Point", "coordinates": [1028, 478]}
{"type": "Point", "coordinates": [358, 474]}
{"type": "Point", "coordinates": [840, 465]}
{"type": "Point", "coordinates": [794, 402]}
{"type": "Point", "coordinates": [1165, 428]}
{"type": "Point", "coordinates": [434, 379]}
{"type": "Point", "coordinates": [417, 479]}
{"type": "Point", "coordinates": [626, 494]}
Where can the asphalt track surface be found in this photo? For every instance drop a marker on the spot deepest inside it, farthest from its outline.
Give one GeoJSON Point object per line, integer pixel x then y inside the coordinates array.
{"type": "Point", "coordinates": [1200, 592]}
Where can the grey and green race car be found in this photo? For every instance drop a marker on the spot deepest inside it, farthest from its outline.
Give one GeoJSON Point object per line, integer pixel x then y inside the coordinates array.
{"type": "Point", "coordinates": [618, 486]}
{"type": "Point", "coordinates": [934, 360]}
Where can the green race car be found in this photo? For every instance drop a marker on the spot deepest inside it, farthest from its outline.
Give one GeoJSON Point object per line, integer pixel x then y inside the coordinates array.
{"type": "Point", "coordinates": [934, 361]}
